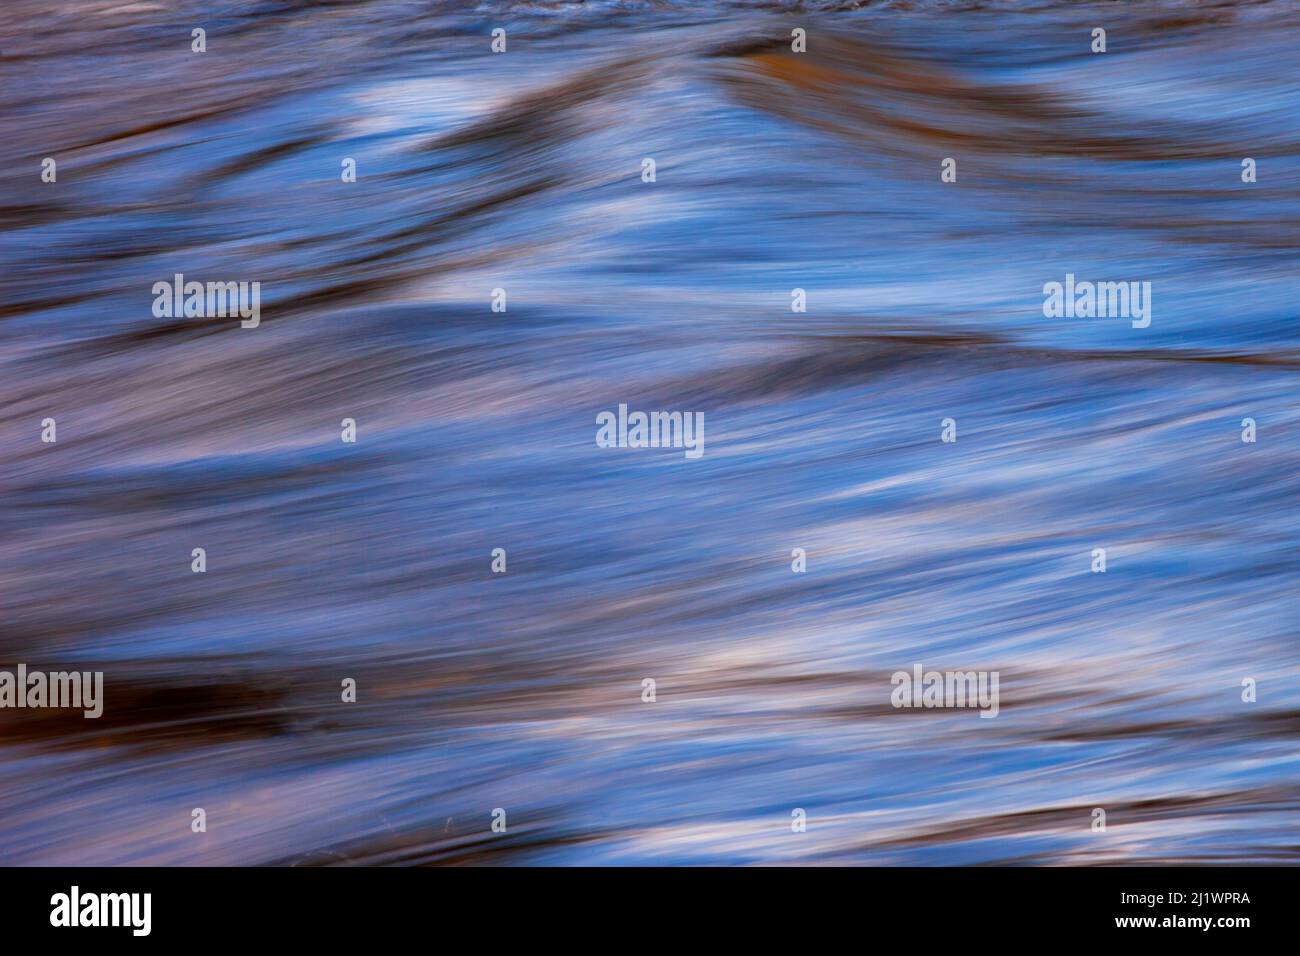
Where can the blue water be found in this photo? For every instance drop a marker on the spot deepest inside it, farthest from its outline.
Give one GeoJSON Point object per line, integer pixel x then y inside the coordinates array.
{"type": "Point", "coordinates": [476, 430]}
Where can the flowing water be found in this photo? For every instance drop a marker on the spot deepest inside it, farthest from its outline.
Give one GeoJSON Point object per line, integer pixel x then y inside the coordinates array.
{"type": "Point", "coordinates": [775, 170]}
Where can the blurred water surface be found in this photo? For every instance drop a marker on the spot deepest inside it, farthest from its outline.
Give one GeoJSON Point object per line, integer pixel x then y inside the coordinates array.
{"type": "Point", "coordinates": [774, 171]}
